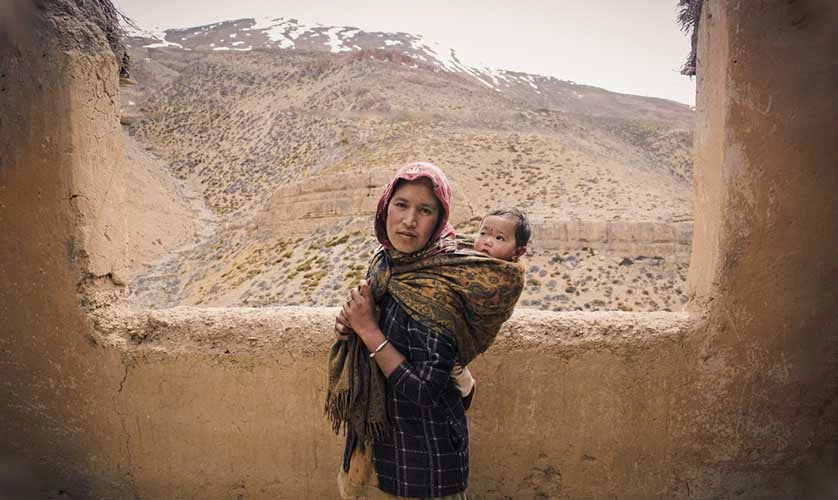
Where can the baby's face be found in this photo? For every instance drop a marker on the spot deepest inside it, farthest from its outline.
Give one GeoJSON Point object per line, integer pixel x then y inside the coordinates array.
{"type": "Point", "coordinates": [496, 238]}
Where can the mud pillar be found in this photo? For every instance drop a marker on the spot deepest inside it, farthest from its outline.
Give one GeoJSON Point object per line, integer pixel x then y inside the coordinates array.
{"type": "Point", "coordinates": [61, 230]}
{"type": "Point", "coordinates": [764, 270]}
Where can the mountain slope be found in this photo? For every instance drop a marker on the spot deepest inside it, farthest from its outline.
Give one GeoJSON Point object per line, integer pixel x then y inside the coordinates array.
{"type": "Point", "coordinates": [261, 132]}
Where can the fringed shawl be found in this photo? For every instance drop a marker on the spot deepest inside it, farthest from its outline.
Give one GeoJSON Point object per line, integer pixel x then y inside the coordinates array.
{"type": "Point", "coordinates": [458, 293]}
{"type": "Point", "coordinates": [461, 294]}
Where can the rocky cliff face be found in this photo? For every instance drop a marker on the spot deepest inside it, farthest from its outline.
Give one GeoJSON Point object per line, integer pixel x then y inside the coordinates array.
{"type": "Point", "coordinates": [670, 239]}
{"type": "Point", "coordinates": [321, 202]}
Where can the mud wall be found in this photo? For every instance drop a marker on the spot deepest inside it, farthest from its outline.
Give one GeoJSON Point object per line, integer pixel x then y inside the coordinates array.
{"type": "Point", "coordinates": [762, 403]}
{"type": "Point", "coordinates": [59, 193]}
{"type": "Point", "coordinates": [735, 399]}
{"type": "Point", "coordinates": [227, 402]}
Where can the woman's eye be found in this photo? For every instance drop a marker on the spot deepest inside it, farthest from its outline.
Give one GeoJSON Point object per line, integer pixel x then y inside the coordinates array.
{"type": "Point", "coordinates": [401, 204]}
{"type": "Point", "coordinates": [427, 211]}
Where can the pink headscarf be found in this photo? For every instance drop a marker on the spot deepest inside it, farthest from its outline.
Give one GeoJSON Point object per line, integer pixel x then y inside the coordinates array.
{"type": "Point", "coordinates": [442, 190]}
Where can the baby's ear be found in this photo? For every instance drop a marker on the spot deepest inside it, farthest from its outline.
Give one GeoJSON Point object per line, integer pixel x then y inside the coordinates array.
{"type": "Point", "coordinates": [519, 251]}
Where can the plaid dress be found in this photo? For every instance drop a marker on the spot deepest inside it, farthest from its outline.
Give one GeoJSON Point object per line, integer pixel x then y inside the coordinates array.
{"type": "Point", "coordinates": [426, 455]}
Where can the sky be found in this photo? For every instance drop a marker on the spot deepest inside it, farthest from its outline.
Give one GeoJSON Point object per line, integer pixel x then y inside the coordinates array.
{"type": "Point", "coordinates": [631, 47]}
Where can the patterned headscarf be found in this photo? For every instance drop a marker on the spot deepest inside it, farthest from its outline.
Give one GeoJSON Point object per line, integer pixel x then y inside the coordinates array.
{"type": "Point", "coordinates": [442, 191]}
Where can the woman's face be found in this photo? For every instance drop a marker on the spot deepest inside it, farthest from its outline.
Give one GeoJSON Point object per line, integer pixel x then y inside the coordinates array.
{"type": "Point", "coordinates": [412, 215]}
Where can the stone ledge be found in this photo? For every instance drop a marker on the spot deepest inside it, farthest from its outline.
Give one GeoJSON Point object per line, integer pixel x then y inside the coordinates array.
{"type": "Point", "coordinates": [308, 330]}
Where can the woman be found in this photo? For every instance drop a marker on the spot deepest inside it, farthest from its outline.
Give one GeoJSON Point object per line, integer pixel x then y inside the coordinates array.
{"type": "Point", "coordinates": [389, 376]}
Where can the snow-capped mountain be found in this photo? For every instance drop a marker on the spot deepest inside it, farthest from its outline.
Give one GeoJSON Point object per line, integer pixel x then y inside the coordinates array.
{"type": "Point", "coordinates": [244, 35]}
{"type": "Point", "coordinates": [410, 50]}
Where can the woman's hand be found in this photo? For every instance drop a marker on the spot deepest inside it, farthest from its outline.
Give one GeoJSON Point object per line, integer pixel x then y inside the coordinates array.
{"type": "Point", "coordinates": [359, 313]}
{"type": "Point", "coordinates": [362, 315]}
{"type": "Point", "coordinates": [342, 328]}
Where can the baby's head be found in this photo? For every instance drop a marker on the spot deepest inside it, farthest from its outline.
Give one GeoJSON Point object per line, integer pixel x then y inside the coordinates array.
{"type": "Point", "coordinates": [504, 234]}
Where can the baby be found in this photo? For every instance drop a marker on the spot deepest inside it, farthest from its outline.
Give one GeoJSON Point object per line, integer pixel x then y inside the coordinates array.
{"type": "Point", "coordinates": [504, 234]}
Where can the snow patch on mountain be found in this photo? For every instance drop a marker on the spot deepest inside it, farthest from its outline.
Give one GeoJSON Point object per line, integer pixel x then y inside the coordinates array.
{"type": "Point", "coordinates": [158, 35]}
{"type": "Point", "coordinates": [291, 34]}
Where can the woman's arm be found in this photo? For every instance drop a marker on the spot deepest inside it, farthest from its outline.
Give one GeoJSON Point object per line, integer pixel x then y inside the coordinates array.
{"type": "Point", "coordinates": [388, 358]}
{"type": "Point", "coordinates": [423, 381]}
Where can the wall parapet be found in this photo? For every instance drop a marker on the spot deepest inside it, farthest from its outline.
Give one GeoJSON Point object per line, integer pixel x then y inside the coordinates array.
{"type": "Point", "coordinates": [308, 330]}
{"type": "Point", "coordinates": [252, 381]}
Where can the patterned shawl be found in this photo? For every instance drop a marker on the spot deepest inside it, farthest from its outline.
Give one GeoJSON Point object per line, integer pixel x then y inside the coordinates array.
{"type": "Point", "coordinates": [458, 293]}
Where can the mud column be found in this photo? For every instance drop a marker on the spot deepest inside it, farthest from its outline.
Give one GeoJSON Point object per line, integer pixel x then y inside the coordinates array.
{"type": "Point", "coordinates": [764, 268]}
{"type": "Point", "coordinates": [59, 190]}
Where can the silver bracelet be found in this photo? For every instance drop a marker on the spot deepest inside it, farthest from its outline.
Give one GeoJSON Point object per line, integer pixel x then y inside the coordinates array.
{"type": "Point", "coordinates": [380, 347]}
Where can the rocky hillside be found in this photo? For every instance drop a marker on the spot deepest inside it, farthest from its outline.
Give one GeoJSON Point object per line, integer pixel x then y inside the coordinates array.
{"type": "Point", "coordinates": [287, 134]}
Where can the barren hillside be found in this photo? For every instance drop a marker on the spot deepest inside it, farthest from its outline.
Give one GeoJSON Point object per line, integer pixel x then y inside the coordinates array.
{"type": "Point", "coordinates": [289, 148]}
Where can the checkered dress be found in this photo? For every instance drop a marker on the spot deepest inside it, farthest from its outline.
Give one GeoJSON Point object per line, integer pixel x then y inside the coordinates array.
{"type": "Point", "coordinates": [427, 453]}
